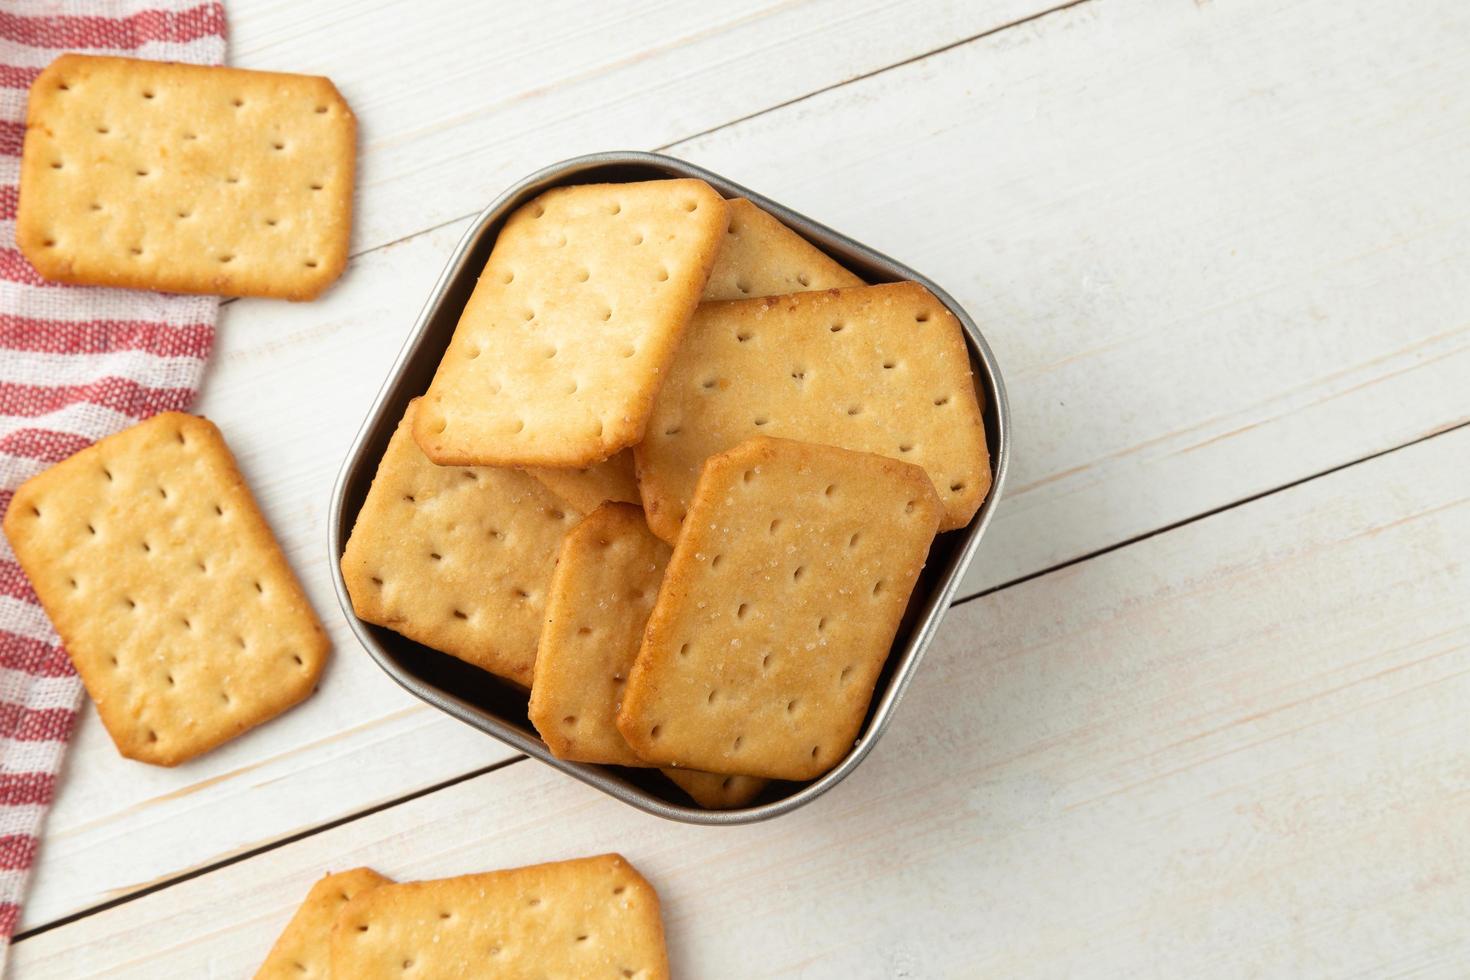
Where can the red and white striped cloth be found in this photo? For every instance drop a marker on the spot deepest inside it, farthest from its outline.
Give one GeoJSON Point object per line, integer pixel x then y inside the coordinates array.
{"type": "Point", "coordinates": [75, 365]}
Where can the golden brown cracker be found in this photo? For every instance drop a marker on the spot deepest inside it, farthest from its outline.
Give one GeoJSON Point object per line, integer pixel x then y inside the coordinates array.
{"type": "Point", "coordinates": [170, 594]}
{"type": "Point", "coordinates": [563, 344]}
{"type": "Point", "coordinates": [456, 558]}
{"type": "Point", "coordinates": [606, 579]}
{"type": "Point", "coordinates": [304, 949]}
{"type": "Point", "coordinates": [717, 791]}
{"type": "Point", "coordinates": [758, 256]}
{"type": "Point", "coordinates": [590, 917]}
{"type": "Point", "coordinates": [607, 576]}
{"type": "Point", "coordinates": [778, 609]}
{"type": "Point", "coordinates": [762, 257]}
{"type": "Point", "coordinates": [881, 369]}
{"type": "Point", "coordinates": [187, 179]}
{"type": "Point", "coordinates": [612, 479]}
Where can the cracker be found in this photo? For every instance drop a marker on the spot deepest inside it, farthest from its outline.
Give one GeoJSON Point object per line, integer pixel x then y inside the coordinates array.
{"type": "Point", "coordinates": [563, 344]}
{"type": "Point", "coordinates": [186, 179]}
{"type": "Point", "coordinates": [304, 949]}
{"type": "Point", "coordinates": [882, 369]}
{"type": "Point", "coordinates": [778, 609]}
{"type": "Point", "coordinates": [759, 257]}
{"type": "Point", "coordinates": [762, 257]}
{"type": "Point", "coordinates": [607, 576]}
{"type": "Point", "coordinates": [169, 592]}
{"type": "Point", "coordinates": [456, 558]}
{"type": "Point", "coordinates": [612, 479]}
{"type": "Point", "coordinates": [590, 917]}
{"type": "Point", "coordinates": [717, 791]}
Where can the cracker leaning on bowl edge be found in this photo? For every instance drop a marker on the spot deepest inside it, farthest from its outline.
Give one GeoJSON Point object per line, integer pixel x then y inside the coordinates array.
{"type": "Point", "coordinates": [455, 557]}
{"type": "Point", "coordinates": [607, 576]}
{"type": "Point", "coordinates": [778, 609]}
{"type": "Point", "coordinates": [171, 596]}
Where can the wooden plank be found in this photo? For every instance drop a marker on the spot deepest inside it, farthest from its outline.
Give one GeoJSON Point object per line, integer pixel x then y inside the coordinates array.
{"type": "Point", "coordinates": [1218, 247]}
{"type": "Point", "coordinates": [456, 101]}
{"type": "Point", "coordinates": [1234, 749]}
{"type": "Point", "coordinates": [1154, 375]}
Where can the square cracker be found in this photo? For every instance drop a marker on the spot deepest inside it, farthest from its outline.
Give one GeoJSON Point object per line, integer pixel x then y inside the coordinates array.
{"type": "Point", "coordinates": [882, 369]}
{"type": "Point", "coordinates": [759, 256]}
{"type": "Point", "coordinates": [607, 576]}
{"type": "Point", "coordinates": [612, 479]}
{"type": "Point", "coordinates": [455, 557]}
{"type": "Point", "coordinates": [717, 791]}
{"type": "Point", "coordinates": [187, 179]}
{"type": "Point", "coordinates": [762, 257]}
{"type": "Point", "coordinates": [778, 609]}
{"type": "Point", "coordinates": [563, 344]}
{"type": "Point", "coordinates": [171, 596]}
{"type": "Point", "coordinates": [590, 917]}
{"type": "Point", "coordinates": [304, 949]}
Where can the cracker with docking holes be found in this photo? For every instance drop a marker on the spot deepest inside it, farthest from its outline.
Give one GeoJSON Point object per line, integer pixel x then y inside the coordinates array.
{"type": "Point", "coordinates": [762, 257]}
{"type": "Point", "coordinates": [455, 557]}
{"type": "Point", "coordinates": [186, 179]}
{"type": "Point", "coordinates": [589, 917]}
{"type": "Point", "coordinates": [607, 576]}
{"type": "Point", "coordinates": [606, 579]}
{"type": "Point", "coordinates": [304, 949]}
{"type": "Point", "coordinates": [882, 369]}
{"type": "Point", "coordinates": [612, 479]}
{"type": "Point", "coordinates": [563, 344]}
{"type": "Point", "coordinates": [717, 791]}
{"type": "Point", "coordinates": [170, 594]}
{"type": "Point", "coordinates": [759, 256]}
{"type": "Point", "coordinates": [778, 609]}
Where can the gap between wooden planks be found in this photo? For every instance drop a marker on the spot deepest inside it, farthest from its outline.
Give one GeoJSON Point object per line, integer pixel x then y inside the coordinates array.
{"type": "Point", "coordinates": [1231, 749]}
{"type": "Point", "coordinates": [455, 103]}
{"type": "Point", "coordinates": [1335, 341]}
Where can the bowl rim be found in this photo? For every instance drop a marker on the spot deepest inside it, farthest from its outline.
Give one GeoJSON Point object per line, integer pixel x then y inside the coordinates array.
{"type": "Point", "coordinates": [933, 606]}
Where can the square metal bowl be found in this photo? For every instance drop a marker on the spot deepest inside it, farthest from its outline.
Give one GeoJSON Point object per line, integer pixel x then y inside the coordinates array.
{"type": "Point", "coordinates": [499, 708]}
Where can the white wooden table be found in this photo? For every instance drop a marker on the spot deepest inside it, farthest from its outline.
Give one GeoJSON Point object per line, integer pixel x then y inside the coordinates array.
{"type": "Point", "coordinates": [1203, 707]}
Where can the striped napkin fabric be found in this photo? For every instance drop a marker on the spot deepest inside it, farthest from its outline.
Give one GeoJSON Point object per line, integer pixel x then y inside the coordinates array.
{"type": "Point", "coordinates": [75, 365]}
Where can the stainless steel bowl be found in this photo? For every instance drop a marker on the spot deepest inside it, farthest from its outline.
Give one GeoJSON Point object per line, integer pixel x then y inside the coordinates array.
{"type": "Point", "coordinates": [499, 708]}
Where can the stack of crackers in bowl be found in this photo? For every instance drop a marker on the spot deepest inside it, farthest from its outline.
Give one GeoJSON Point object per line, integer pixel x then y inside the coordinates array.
{"type": "Point", "coordinates": [677, 473]}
